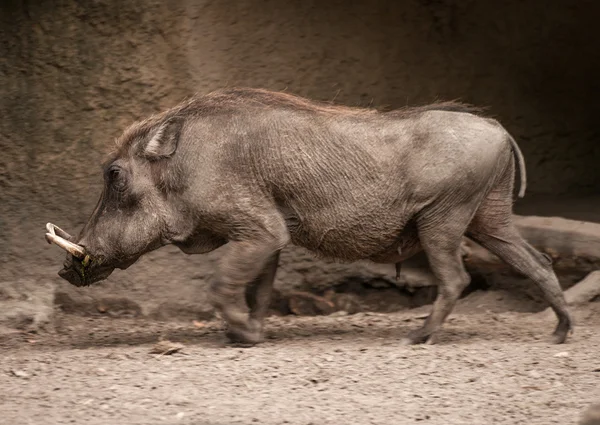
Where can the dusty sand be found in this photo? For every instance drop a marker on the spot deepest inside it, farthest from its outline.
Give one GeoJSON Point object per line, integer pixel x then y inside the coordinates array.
{"type": "Point", "coordinates": [486, 368]}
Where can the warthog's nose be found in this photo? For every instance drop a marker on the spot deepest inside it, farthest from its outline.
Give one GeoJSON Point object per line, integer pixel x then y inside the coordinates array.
{"type": "Point", "coordinates": [71, 275]}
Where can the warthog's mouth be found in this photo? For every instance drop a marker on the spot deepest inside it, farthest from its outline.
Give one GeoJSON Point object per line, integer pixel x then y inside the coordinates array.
{"type": "Point", "coordinates": [74, 273]}
{"type": "Point", "coordinates": [80, 268]}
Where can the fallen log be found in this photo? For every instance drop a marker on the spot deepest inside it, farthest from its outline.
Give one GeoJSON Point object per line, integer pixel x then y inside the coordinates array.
{"type": "Point", "coordinates": [559, 236]}
{"type": "Point", "coordinates": [574, 246]}
{"type": "Point", "coordinates": [585, 290]}
{"type": "Point", "coordinates": [571, 244]}
{"type": "Point", "coordinates": [582, 292]}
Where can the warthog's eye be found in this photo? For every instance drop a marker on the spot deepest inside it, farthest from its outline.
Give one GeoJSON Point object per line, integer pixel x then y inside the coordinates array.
{"type": "Point", "coordinates": [116, 178]}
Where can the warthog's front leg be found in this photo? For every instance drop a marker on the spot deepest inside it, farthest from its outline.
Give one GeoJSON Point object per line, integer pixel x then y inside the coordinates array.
{"type": "Point", "coordinates": [247, 262]}
{"type": "Point", "coordinates": [258, 293]}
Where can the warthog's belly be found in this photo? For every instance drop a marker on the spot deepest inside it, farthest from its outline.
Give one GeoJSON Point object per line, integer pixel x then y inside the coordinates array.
{"type": "Point", "coordinates": [407, 246]}
{"type": "Point", "coordinates": [380, 239]}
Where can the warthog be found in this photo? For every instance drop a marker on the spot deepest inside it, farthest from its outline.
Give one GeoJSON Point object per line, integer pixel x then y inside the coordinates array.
{"type": "Point", "coordinates": [256, 170]}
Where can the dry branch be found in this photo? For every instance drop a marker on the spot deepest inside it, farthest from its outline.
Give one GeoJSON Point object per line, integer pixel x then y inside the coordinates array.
{"type": "Point", "coordinates": [575, 243]}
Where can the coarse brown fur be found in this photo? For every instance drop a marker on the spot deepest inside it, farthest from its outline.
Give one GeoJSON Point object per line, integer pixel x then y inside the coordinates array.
{"type": "Point", "coordinates": [256, 170]}
{"type": "Point", "coordinates": [230, 99]}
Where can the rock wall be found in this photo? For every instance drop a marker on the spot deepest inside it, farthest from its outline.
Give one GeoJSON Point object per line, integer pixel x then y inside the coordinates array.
{"type": "Point", "coordinates": [76, 73]}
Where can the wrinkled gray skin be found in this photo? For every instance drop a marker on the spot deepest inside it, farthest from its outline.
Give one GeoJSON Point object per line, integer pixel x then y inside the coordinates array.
{"type": "Point", "coordinates": [257, 170]}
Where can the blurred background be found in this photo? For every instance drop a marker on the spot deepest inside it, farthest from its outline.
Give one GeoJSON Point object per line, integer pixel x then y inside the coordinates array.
{"type": "Point", "coordinates": [75, 74]}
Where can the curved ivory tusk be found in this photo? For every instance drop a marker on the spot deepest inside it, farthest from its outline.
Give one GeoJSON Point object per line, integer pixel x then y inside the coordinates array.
{"type": "Point", "coordinates": [55, 230]}
{"type": "Point", "coordinates": [70, 247]}
{"type": "Point", "coordinates": [74, 249]}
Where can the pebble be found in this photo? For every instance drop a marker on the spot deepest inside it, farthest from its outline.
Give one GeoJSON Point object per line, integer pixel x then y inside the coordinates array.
{"type": "Point", "coordinates": [19, 373]}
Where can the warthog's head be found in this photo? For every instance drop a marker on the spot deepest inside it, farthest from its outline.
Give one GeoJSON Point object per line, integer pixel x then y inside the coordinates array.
{"type": "Point", "coordinates": [140, 208]}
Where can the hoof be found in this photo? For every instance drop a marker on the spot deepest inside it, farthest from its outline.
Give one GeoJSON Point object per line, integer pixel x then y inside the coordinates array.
{"type": "Point", "coordinates": [245, 335]}
{"type": "Point", "coordinates": [563, 329]}
{"type": "Point", "coordinates": [559, 337]}
{"type": "Point", "coordinates": [431, 340]}
{"type": "Point", "coordinates": [418, 337]}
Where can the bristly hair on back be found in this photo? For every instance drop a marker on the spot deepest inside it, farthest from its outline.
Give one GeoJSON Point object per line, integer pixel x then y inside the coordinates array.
{"type": "Point", "coordinates": [448, 105]}
{"type": "Point", "coordinates": [239, 96]}
{"type": "Point", "coordinates": [230, 99]}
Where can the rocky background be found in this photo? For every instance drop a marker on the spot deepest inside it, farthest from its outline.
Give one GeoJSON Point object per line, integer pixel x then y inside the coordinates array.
{"type": "Point", "coordinates": [75, 73]}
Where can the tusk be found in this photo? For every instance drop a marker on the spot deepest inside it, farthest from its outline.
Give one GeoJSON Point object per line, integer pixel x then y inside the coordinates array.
{"type": "Point", "coordinates": [74, 249]}
{"type": "Point", "coordinates": [70, 247]}
{"type": "Point", "coordinates": [55, 230]}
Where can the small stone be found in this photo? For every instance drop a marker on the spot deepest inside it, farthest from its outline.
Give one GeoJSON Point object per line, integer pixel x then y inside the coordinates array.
{"type": "Point", "coordinates": [562, 354]}
{"type": "Point", "coordinates": [535, 374]}
{"type": "Point", "coordinates": [20, 373]}
{"type": "Point", "coordinates": [180, 415]}
{"type": "Point", "coordinates": [166, 347]}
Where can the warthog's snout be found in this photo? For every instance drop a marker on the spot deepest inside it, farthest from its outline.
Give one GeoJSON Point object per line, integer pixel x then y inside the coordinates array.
{"type": "Point", "coordinates": [79, 273]}
{"type": "Point", "coordinates": [79, 268]}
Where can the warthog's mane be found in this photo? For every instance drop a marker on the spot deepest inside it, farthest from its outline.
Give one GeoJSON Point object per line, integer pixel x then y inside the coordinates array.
{"type": "Point", "coordinates": [235, 99]}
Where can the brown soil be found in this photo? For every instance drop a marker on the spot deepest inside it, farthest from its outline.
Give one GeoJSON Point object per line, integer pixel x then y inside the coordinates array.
{"type": "Point", "coordinates": [488, 367]}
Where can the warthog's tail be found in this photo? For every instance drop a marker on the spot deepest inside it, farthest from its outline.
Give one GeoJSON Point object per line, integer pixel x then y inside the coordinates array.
{"type": "Point", "coordinates": [521, 163]}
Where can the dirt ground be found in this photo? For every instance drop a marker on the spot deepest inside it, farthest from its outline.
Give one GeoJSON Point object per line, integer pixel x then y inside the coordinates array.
{"type": "Point", "coordinates": [488, 367]}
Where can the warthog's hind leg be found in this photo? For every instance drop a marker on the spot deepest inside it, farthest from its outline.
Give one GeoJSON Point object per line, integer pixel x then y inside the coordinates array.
{"type": "Point", "coordinates": [509, 246]}
{"type": "Point", "coordinates": [492, 228]}
{"type": "Point", "coordinates": [441, 243]}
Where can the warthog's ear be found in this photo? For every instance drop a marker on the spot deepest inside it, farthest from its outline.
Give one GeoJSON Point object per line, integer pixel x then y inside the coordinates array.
{"type": "Point", "coordinates": [162, 142]}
